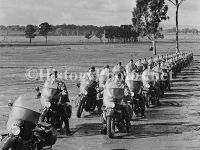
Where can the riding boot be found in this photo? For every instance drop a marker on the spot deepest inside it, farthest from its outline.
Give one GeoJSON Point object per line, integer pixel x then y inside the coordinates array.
{"type": "Point", "coordinates": [64, 117]}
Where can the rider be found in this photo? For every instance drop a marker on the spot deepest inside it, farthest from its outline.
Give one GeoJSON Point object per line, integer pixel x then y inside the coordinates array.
{"type": "Point", "coordinates": [135, 76]}
{"type": "Point", "coordinates": [61, 98]}
{"type": "Point", "coordinates": [104, 76]}
{"type": "Point", "coordinates": [151, 77]}
{"type": "Point", "coordinates": [167, 69]}
{"type": "Point", "coordinates": [139, 66]}
{"type": "Point", "coordinates": [89, 83]}
{"type": "Point", "coordinates": [130, 66]}
{"type": "Point", "coordinates": [91, 74]}
{"type": "Point", "coordinates": [117, 81]}
{"type": "Point", "coordinates": [119, 69]}
{"type": "Point", "coordinates": [158, 71]}
{"type": "Point", "coordinates": [151, 62]}
{"type": "Point", "coordinates": [145, 63]}
{"type": "Point", "coordinates": [159, 74]}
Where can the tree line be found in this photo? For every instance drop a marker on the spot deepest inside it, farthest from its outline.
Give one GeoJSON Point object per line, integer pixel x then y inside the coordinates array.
{"type": "Point", "coordinates": [146, 19]}
{"type": "Point", "coordinates": [184, 30]}
{"type": "Point", "coordinates": [122, 33]}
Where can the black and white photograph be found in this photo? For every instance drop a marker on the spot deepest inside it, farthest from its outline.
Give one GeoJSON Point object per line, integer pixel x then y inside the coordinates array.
{"type": "Point", "coordinates": [99, 75]}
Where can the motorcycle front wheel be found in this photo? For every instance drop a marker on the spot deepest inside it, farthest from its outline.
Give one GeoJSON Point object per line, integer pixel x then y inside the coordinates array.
{"type": "Point", "coordinates": [110, 124]}
{"type": "Point", "coordinates": [147, 98]}
{"type": "Point", "coordinates": [80, 107]}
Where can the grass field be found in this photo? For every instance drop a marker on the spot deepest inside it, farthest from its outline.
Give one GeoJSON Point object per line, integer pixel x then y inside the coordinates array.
{"type": "Point", "coordinates": [15, 61]}
{"type": "Point", "coordinates": [82, 39]}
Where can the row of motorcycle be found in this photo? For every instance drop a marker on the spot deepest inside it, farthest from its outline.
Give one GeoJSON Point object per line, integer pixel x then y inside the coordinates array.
{"type": "Point", "coordinates": [26, 132]}
{"type": "Point", "coordinates": [116, 115]}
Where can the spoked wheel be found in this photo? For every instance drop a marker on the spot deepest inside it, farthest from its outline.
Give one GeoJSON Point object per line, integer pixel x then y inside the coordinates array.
{"type": "Point", "coordinates": [110, 123]}
{"type": "Point", "coordinates": [80, 107]}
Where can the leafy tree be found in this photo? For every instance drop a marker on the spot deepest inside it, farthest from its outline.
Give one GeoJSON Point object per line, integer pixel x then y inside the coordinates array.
{"type": "Point", "coordinates": [88, 35]}
{"type": "Point", "coordinates": [100, 34]}
{"type": "Point", "coordinates": [44, 28]}
{"type": "Point", "coordinates": [177, 4]}
{"type": "Point", "coordinates": [147, 17]}
{"type": "Point", "coordinates": [30, 32]}
{"type": "Point", "coordinates": [59, 31]}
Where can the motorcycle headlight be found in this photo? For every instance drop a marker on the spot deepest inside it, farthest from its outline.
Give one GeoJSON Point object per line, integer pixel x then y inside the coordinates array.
{"type": "Point", "coordinates": [15, 130]}
{"type": "Point", "coordinates": [85, 92]}
{"type": "Point", "coordinates": [47, 104]}
{"type": "Point", "coordinates": [132, 94]}
{"type": "Point", "coordinates": [147, 86]}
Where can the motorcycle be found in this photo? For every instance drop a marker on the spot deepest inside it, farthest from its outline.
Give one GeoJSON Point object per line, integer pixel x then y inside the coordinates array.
{"type": "Point", "coordinates": [150, 91]}
{"type": "Point", "coordinates": [23, 130]}
{"type": "Point", "coordinates": [174, 69]}
{"type": "Point", "coordinates": [114, 114]}
{"type": "Point", "coordinates": [87, 98]}
{"type": "Point", "coordinates": [165, 80]}
{"type": "Point", "coordinates": [135, 88]}
{"type": "Point", "coordinates": [49, 101]}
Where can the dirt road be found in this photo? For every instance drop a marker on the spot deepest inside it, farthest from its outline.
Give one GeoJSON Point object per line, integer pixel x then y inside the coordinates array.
{"type": "Point", "coordinates": [173, 125]}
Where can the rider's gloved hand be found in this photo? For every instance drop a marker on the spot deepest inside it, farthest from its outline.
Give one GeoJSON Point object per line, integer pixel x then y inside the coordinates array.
{"type": "Point", "coordinates": [64, 92]}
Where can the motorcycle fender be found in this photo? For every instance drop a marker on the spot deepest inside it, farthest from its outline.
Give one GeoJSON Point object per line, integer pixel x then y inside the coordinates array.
{"type": "Point", "coordinates": [109, 112]}
{"type": "Point", "coordinates": [8, 142]}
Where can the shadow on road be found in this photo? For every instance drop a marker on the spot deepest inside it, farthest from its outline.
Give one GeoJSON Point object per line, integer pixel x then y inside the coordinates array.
{"type": "Point", "coordinates": [182, 90]}
{"type": "Point", "coordinates": [88, 129]}
{"type": "Point", "coordinates": [175, 96]}
{"type": "Point", "coordinates": [181, 81]}
{"type": "Point", "coordinates": [171, 104]}
{"type": "Point", "coordinates": [159, 129]}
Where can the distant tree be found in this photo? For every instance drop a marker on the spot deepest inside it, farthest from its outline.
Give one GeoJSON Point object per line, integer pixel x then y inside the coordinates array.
{"type": "Point", "coordinates": [88, 35]}
{"type": "Point", "coordinates": [147, 17]}
{"type": "Point", "coordinates": [194, 31]}
{"type": "Point", "coordinates": [187, 30]}
{"type": "Point", "coordinates": [30, 32]}
{"type": "Point", "coordinates": [177, 4]}
{"type": "Point", "coordinates": [59, 31]}
{"type": "Point", "coordinates": [44, 28]}
{"type": "Point", "coordinates": [111, 33]}
{"type": "Point", "coordinates": [171, 30]}
{"type": "Point", "coordinates": [2, 27]}
{"type": "Point", "coordinates": [128, 33]}
{"type": "Point", "coordinates": [100, 34]}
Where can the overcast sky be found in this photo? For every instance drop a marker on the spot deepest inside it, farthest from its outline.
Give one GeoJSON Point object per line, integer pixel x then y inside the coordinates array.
{"type": "Point", "coordinates": [85, 12]}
